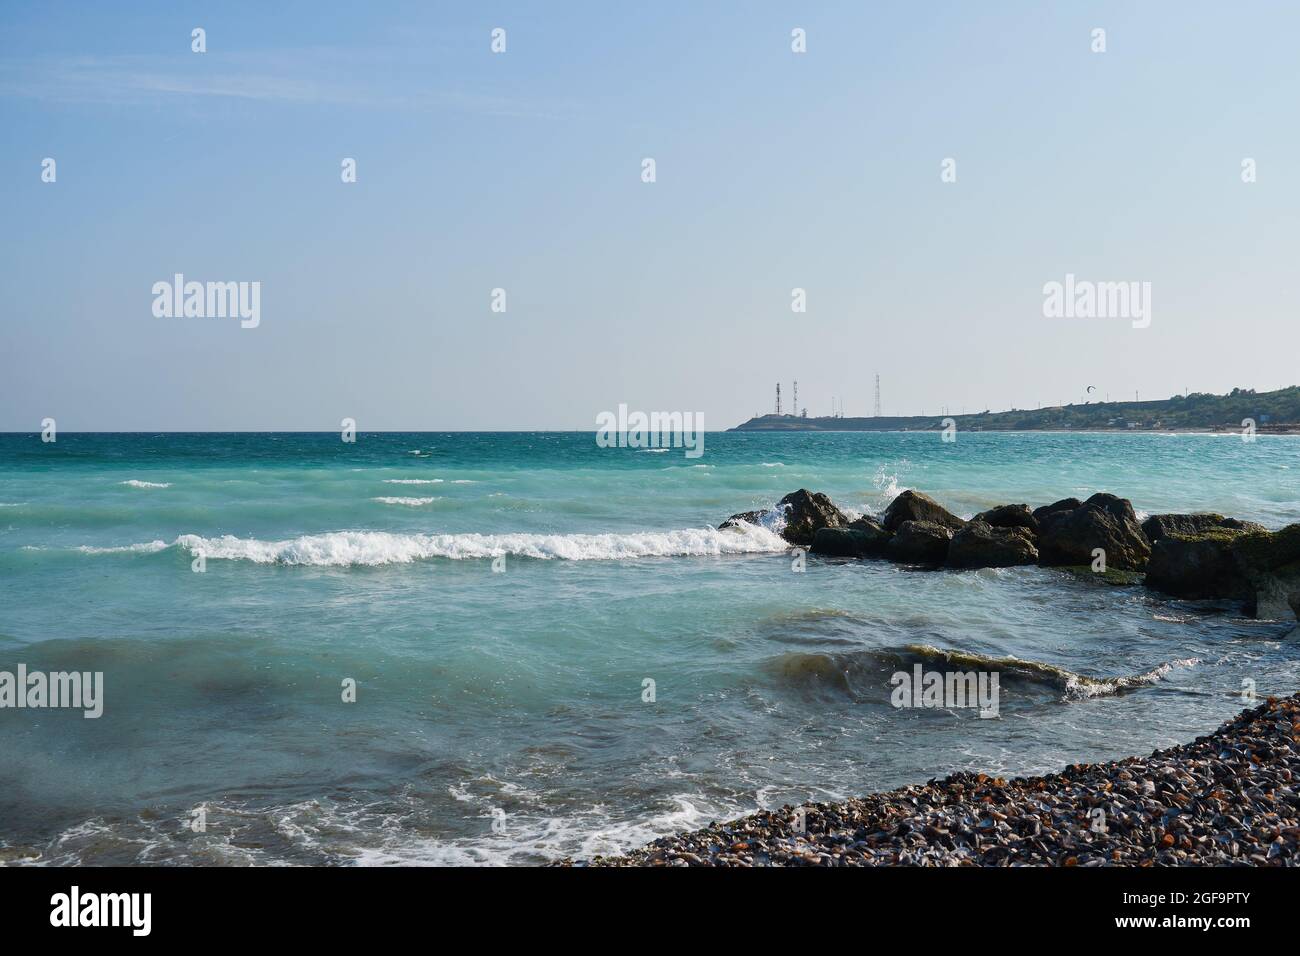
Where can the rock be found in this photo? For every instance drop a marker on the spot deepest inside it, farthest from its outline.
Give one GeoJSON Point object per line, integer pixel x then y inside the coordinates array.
{"type": "Point", "coordinates": [806, 512]}
{"type": "Point", "coordinates": [1262, 551]}
{"type": "Point", "coordinates": [802, 511]}
{"type": "Point", "coordinates": [920, 542]}
{"type": "Point", "coordinates": [1157, 526]}
{"type": "Point", "coordinates": [868, 524]}
{"type": "Point", "coordinates": [1269, 561]}
{"type": "Point", "coordinates": [855, 541]}
{"type": "Point", "coordinates": [1111, 577]}
{"type": "Point", "coordinates": [1009, 516]}
{"type": "Point", "coordinates": [1275, 596]}
{"type": "Point", "coordinates": [914, 506]}
{"type": "Point", "coordinates": [1199, 565]}
{"type": "Point", "coordinates": [745, 517]}
{"type": "Point", "coordinates": [1069, 536]}
{"type": "Point", "coordinates": [1065, 504]}
{"type": "Point", "coordinates": [981, 545]}
{"type": "Point", "coordinates": [1260, 568]}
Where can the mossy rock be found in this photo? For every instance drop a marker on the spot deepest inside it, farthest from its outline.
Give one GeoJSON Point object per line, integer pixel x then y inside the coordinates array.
{"type": "Point", "coordinates": [1264, 551]}
{"type": "Point", "coordinates": [1275, 594]}
{"type": "Point", "coordinates": [1198, 565]}
{"type": "Point", "coordinates": [1115, 577]}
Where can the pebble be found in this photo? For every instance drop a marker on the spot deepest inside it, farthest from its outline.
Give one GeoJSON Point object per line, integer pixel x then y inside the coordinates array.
{"type": "Point", "coordinates": [1227, 799]}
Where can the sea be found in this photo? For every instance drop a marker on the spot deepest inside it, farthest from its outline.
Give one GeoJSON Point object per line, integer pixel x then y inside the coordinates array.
{"type": "Point", "coordinates": [509, 648]}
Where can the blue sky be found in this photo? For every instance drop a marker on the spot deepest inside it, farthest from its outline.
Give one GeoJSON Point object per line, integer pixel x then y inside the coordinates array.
{"type": "Point", "coordinates": [522, 171]}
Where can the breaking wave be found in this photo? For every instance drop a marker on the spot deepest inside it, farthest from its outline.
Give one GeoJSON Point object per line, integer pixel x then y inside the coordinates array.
{"type": "Point", "coordinates": [369, 548]}
{"type": "Point", "coordinates": [858, 672]}
{"type": "Point", "coordinates": [136, 483]}
{"type": "Point", "coordinates": [147, 547]}
{"type": "Point", "coordinates": [1074, 685]}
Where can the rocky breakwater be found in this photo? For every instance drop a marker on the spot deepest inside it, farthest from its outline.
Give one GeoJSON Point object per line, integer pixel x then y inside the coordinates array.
{"type": "Point", "coordinates": [1071, 532]}
{"type": "Point", "coordinates": [1228, 799]}
{"type": "Point", "coordinates": [1195, 556]}
{"type": "Point", "coordinates": [1222, 558]}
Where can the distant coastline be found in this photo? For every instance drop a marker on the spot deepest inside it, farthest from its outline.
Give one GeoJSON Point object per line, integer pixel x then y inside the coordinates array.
{"type": "Point", "coordinates": [1269, 413]}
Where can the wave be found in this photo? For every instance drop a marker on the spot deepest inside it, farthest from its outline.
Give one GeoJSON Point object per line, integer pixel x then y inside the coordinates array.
{"type": "Point", "coordinates": [390, 831]}
{"type": "Point", "coordinates": [136, 483]}
{"type": "Point", "coordinates": [1073, 684]}
{"type": "Point", "coordinates": [856, 671]}
{"type": "Point", "coordinates": [412, 481]}
{"type": "Point", "coordinates": [410, 502]}
{"type": "Point", "coordinates": [371, 548]}
{"type": "Point", "coordinates": [147, 547]}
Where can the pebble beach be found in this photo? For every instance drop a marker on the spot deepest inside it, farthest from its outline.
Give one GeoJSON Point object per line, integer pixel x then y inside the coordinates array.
{"type": "Point", "coordinates": [1226, 799]}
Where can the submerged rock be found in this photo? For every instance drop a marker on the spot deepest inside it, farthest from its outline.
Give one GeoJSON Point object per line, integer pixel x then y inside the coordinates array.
{"type": "Point", "coordinates": [1009, 516]}
{"type": "Point", "coordinates": [1068, 536]}
{"type": "Point", "coordinates": [914, 506]}
{"type": "Point", "coordinates": [1111, 577]}
{"type": "Point", "coordinates": [920, 542]}
{"type": "Point", "coordinates": [981, 545]}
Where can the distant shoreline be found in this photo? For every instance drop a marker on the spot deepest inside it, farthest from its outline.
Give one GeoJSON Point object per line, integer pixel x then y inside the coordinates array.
{"type": "Point", "coordinates": [1284, 430]}
{"type": "Point", "coordinates": [1287, 430]}
{"type": "Point", "coordinates": [1276, 412]}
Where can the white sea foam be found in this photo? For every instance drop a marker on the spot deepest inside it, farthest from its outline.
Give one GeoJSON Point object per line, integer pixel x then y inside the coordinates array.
{"type": "Point", "coordinates": [1081, 687]}
{"type": "Point", "coordinates": [411, 502]}
{"type": "Point", "coordinates": [145, 547]}
{"type": "Point", "coordinates": [343, 548]}
{"type": "Point", "coordinates": [886, 486]}
{"type": "Point", "coordinates": [412, 481]}
{"type": "Point", "coordinates": [365, 833]}
{"type": "Point", "coordinates": [136, 483]}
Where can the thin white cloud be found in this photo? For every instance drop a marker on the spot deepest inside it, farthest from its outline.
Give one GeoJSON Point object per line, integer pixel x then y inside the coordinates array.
{"type": "Point", "coordinates": [301, 77]}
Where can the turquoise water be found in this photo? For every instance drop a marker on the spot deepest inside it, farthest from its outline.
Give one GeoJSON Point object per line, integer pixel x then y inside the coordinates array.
{"type": "Point", "coordinates": [500, 714]}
